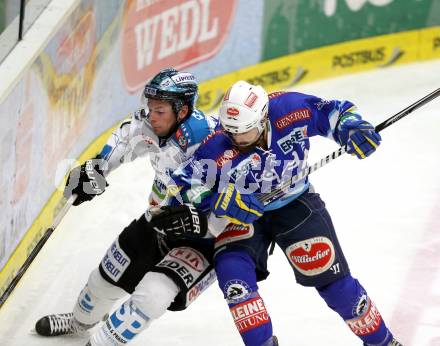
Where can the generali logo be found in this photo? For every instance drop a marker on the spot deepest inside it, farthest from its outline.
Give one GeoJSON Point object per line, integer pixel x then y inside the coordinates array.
{"type": "Point", "coordinates": [178, 33]}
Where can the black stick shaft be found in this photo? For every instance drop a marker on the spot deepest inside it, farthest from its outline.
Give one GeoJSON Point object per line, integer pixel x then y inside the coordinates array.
{"type": "Point", "coordinates": [36, 250]}
{"type": "Point", "coordinates": [407, 110]}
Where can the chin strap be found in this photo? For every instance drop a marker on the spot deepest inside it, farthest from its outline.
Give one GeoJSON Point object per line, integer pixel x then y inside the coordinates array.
{"type": "Point", "coordinates": [173, 130]}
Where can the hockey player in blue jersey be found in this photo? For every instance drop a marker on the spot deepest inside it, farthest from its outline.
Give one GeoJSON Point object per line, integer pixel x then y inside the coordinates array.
{"type": "Point", "coordinates": [262, 141]}
{"type": "Point", "coordinates": [154, 271]}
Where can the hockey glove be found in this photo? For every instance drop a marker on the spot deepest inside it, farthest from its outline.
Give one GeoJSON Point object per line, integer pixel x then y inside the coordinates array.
{"type": "Point", "coordinates": [359, 135]}
{"type": "Point", "coordinates": [86, 181]}
{"type": "Point", "coordinates": [238, 208]}
{"type": "Point", "coordinates": [178, 221]}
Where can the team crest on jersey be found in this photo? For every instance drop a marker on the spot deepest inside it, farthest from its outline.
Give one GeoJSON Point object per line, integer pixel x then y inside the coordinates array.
{"type": "Point", "coordinates": [236, 291]}
{"type": "Point", "coordinates": [312, 256]}
{"type": "Point", "coordinates": [181, 139]}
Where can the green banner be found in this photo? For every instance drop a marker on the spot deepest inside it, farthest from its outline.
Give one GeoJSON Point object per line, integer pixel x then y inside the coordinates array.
{"type": "Point", "coordinates": [2, 15]}
{"type": "Point", "coordinates": [294, 26]}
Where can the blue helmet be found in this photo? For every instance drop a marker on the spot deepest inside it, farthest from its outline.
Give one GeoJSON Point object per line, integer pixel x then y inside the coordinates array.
{"type": "Point", "coordinates": [180, 88]}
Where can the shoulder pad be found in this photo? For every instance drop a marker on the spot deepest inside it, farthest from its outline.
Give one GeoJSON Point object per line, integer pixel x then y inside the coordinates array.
{"type": "Point", "coordinates": [193, 130]}
{"type": "Point", "coordinates": [212, 135]}
{"type": "Point", "coordinates": [218, 147]}
{"type": "Point", "coordinates": [275, 94]}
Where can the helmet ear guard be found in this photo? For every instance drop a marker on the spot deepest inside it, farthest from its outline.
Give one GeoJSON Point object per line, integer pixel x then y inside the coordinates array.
{"type": "Point", "coordinates": [243, 108]}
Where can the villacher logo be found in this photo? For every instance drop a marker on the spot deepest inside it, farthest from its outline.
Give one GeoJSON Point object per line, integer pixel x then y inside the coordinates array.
{"type": "Point", "coordinates": [312, 256]}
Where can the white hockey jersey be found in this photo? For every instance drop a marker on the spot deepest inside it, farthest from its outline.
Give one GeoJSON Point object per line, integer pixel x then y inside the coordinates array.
{"type": "Point", "coordinates": [135, 137]}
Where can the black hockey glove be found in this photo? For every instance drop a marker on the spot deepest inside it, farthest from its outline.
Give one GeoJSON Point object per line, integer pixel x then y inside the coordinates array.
{"type": "Point", "coordinates": [86, 181]}
{"type": "Point", "coordinates": [178, 221]}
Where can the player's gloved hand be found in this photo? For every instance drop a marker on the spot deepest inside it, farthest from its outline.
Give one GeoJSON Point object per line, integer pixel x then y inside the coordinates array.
{"type": "Point", "coordinates": [359, 135]}
{"type": "Point", "coordinates": [178, 221]}
{"type": "Point", "coordinates": [86, 181]}
{"type": "Point", "coordinates": [238, 208]}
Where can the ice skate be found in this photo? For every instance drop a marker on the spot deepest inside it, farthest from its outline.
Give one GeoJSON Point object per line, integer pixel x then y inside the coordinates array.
{"type": "Point", "coordinates": [60, 324]}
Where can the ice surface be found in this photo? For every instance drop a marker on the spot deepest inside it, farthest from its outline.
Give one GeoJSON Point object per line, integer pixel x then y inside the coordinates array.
{"type": "Point", "coordinates": [385, 210]}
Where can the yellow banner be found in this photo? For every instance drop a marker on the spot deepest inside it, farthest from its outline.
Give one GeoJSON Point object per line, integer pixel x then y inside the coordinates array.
{"type": "Point", "coordinates": [328, 62]}
{"type": "Point", "coordinates": [430, 44]}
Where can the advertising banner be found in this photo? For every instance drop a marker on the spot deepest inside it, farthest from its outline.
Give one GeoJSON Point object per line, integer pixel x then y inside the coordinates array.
{"type": "Point", "coordinates": [171, 33]}
{"type": "Point", "coordinates": [295, 26]}
{"type": "Point", "coordinates": [87, 79]}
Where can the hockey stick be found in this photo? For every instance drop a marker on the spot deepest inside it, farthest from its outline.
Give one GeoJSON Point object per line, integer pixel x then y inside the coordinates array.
{"type": "Point", "coordinates": [271, 196]}
{"type": "Point", "coordinates": [37, 249]}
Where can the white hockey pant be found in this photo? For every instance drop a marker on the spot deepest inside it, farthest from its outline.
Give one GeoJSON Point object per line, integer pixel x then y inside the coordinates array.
{"type": "Point", "coordinates": [150, 300]}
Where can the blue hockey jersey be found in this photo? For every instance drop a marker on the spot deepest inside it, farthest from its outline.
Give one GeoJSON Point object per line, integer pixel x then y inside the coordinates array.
{"type": "Point", "coordinates": [293, 118]}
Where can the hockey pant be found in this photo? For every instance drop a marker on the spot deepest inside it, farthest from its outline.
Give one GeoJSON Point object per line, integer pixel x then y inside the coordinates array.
{"type": "Point", "coordinates": [304, 231]}
{"type": "Point", "coordinates": [135, 264]}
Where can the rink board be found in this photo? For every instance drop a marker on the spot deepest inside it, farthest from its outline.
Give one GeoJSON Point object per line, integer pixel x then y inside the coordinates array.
{"type": "Point", "coordinates": [281, 73]}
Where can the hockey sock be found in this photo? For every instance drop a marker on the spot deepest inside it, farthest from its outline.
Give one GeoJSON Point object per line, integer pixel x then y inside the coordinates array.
{"type": "Point", "coordinates": [150, 300]}
{"type": "Point", "coordinates": [349, 299]}
{"type": "Point", "coordinates": [121, 326]}
{"type": "Point", "coordinates": [237, 280]}
{"type": "Point", "coordinates": [96, 299]}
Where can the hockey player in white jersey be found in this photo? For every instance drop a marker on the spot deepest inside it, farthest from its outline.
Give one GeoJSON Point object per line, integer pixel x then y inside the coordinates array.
{"type": "Point", "coordinates": [158, 271]}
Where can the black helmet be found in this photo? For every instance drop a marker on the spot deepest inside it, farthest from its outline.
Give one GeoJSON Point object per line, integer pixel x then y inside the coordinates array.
{"type": "Point", "coordinates": [180, 88]}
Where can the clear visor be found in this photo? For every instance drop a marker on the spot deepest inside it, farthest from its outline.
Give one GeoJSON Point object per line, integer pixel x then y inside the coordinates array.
{"type": "Point", "coordinates": [245, 139]}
